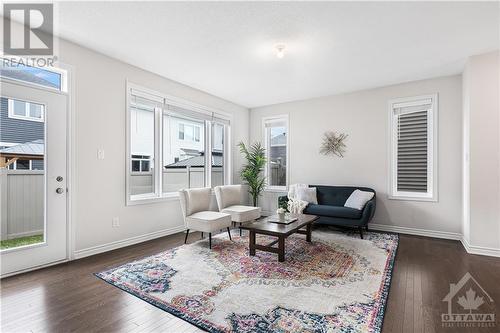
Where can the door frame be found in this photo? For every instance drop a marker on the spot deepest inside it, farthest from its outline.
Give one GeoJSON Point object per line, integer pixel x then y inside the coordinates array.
{"type": "Point", "coordinates": [70, 161]}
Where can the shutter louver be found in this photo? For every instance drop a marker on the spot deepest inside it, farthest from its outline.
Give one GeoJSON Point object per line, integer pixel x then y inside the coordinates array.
{"type": "Point", "coordinates": [412, 146]}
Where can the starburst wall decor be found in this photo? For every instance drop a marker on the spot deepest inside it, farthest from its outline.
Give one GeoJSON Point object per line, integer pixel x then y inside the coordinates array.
{"type": "Point", "coordinates": [333, 143]}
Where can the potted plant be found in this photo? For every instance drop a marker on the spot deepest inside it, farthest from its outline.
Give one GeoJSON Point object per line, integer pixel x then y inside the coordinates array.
{"type": "Point", "coordinates": [251, 173]}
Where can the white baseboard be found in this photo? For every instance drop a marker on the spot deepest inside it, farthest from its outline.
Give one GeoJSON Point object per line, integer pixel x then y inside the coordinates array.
{"type": "Point", "coordinates": [485, 251]}
{"type": "Point", "coordinates": [125, 242]}
{"type": "Point", "coordinates": [471, 249]}
{"type": "Point", "coordinates": [416, 231]}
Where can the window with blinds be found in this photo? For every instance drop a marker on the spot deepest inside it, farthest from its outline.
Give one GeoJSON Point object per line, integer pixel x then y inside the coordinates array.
{"type": "Point", "coordinates": [412, 126]}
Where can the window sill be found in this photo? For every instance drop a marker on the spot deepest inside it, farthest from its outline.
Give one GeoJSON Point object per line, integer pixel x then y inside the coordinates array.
{"type": "Point", "coordinates": [278, 189]}
{"type": "Point", "coordinates": [150, 199]}
{"type": "Point", "coordinates": [410, 198]}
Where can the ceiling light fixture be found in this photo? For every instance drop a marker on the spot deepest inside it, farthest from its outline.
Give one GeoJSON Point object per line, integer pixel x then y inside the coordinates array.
{"type": "Point", "coordinates": [280, 50]}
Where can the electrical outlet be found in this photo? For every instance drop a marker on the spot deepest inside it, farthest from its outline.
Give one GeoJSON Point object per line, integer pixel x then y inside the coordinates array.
{"type": "Point", "coordinates": [115, 223]}
{"type": "Point", "coordinates": [100, 154]}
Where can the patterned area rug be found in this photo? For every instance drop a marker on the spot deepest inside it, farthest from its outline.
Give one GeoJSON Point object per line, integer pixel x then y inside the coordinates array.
{"type": "Point", "coordinates": [337, 283]}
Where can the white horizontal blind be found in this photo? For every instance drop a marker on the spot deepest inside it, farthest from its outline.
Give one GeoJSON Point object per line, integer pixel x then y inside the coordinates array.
{"type": "Point", "coordinates": [412, 147]}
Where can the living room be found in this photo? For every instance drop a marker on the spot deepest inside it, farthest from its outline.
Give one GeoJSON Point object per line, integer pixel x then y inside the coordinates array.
{"type": "Point", "coordinates": [145, 114]}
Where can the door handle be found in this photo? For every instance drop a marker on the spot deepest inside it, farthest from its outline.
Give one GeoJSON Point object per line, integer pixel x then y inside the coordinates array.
{"type": "Point", "coordinates": [59, 190]}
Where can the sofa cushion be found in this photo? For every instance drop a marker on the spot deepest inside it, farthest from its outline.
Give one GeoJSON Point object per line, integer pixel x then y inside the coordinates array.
{"type": "Point", "coordinates": [336, 195]}
{"type": "Point", "coordinates": [333, 211]}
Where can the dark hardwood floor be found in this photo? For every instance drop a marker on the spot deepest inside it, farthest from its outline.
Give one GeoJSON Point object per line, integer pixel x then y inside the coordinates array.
{"type": "Point", "coordinates": [68, 297]}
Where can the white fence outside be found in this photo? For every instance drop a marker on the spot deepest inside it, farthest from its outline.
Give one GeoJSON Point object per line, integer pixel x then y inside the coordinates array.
{"type": "Point", "coordinates": [174, 179]}
{"type": "Point", "coordinates": [22, 195]}
{"type": "Point", "coordinates": [22, 203]}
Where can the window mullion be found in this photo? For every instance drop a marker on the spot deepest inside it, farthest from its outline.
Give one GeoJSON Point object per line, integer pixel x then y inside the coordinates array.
{"type": "Point", "coordinates": [158, 173]}
{"type": "Point", "coordinates": [226, 167]}
{"type": "Point", "coordinates": [208, 153]}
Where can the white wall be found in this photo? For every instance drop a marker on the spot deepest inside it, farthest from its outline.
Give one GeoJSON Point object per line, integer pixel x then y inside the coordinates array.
{"type": "Point", "coordinates": [364, 117]}
{"type": "Point", "coordinates": [481, 218]}
{"type": "Point", "coordinates": [99, 92]}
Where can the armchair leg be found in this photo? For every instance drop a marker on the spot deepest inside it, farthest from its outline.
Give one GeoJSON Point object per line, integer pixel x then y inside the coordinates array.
{"type": "Point", "coordinates": [186, 238]}
{"type": "Point", "coordinates": [361, 232]}
{"type": "Point", "coordinates": [240, 229]}
{"type": "Point", "coordinates": [210, 240]}
{"type": "Point", "coordinates": [202, 235]}
{"type": "Point", "coordinates": [229, 233]}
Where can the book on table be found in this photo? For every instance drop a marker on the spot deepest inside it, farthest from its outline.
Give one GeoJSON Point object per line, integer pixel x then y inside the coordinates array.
{"type": "Point", "coordinates": [287, 219]}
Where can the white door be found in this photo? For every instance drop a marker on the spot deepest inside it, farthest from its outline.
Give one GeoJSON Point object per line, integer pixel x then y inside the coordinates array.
{"type": "Point", "coordinates": [33, 177]}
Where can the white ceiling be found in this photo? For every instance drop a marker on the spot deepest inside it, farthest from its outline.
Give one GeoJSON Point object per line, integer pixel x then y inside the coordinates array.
{"type": "Point", "coordinates": [226, 48]}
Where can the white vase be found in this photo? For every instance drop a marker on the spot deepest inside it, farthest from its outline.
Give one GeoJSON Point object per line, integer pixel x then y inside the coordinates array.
{"type": "Point", "coordinates": [281, 216]}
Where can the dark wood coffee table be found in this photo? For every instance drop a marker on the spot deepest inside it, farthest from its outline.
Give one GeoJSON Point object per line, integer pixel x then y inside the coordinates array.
{"type": "Point", "coordinates": [282, 231]}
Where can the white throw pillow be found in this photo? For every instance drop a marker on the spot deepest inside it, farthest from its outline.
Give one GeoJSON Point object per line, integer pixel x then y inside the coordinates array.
{"type": "Point", "coordinates": [307, 194]}
{"type": "Point", "coordinates": [358, 199]}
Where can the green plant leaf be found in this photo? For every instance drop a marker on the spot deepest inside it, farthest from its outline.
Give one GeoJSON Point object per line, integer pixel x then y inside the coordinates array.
{"type": "Point", "coordinates": [251, 172]}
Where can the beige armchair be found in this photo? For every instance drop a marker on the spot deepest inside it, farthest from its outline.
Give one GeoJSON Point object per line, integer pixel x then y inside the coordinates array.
{"type": "Point", "coordinates": [195, 204]}
{"type": "Point", "coordinates": [229, 201]}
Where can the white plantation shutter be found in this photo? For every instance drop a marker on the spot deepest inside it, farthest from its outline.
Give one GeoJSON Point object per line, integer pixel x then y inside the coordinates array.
{"type": "Point", "coordinates": [412, 148]}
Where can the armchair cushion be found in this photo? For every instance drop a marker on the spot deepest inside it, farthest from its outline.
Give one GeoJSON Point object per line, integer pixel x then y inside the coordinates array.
{"type": "Point", "coordinates": [208, 221]}
{"type": "Point", "coordinates": [241, 213]}
{"type": "Point", "coordinates": [227, 195]}
{"type": "Point", "coordinates": [195, 200]}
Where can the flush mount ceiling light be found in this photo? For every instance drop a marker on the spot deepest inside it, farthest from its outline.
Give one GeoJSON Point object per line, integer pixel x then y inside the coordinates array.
{"type": "Point", "coordinates": [280, 50]}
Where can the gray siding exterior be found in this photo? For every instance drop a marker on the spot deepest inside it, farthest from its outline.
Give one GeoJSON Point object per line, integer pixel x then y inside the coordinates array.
{"type": "Point", "coordinates": [18, 130]}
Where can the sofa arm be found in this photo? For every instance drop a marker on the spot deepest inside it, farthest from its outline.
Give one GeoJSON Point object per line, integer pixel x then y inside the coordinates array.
{"type": "Point", "coordinates": [283, 202]}
{"type": "Point", "coordinates": [369, 211]}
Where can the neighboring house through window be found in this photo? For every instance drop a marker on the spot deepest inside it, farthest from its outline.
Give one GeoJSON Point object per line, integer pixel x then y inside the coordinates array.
{"type": "Point", "coordinates": [141, 163]}
{"type": "Point", "coordinates": [277, 147]}
{"type": "Point", "coordinates": [22, 128]}
{"type": "Point", "coordinates": [413, 147]}
{"type": "Point", "coordinates": [189, 132]}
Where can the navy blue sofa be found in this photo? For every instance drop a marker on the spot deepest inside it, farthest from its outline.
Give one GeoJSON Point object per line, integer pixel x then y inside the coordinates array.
{"type": "Point", "coordinates": [331, 210]}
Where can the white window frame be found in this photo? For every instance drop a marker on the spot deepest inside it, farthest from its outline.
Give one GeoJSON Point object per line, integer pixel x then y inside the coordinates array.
{"type": "Point", "coordinates": [10, 107]}
{"type": "Point", "coordinates": [150, 160]}
{"type": "Point", "coordinates": [432, 148]}
{"type": "Point", "coordinates": [63, 73]}
{"type": "Point", "coordinates": [276, 119]}
{"type": "Point", "coordinates": [157, 157]}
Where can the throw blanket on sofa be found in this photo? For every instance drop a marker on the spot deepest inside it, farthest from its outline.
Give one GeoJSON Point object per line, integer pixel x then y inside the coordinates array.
{"type": "Point", "coordinates": [296, 206]}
